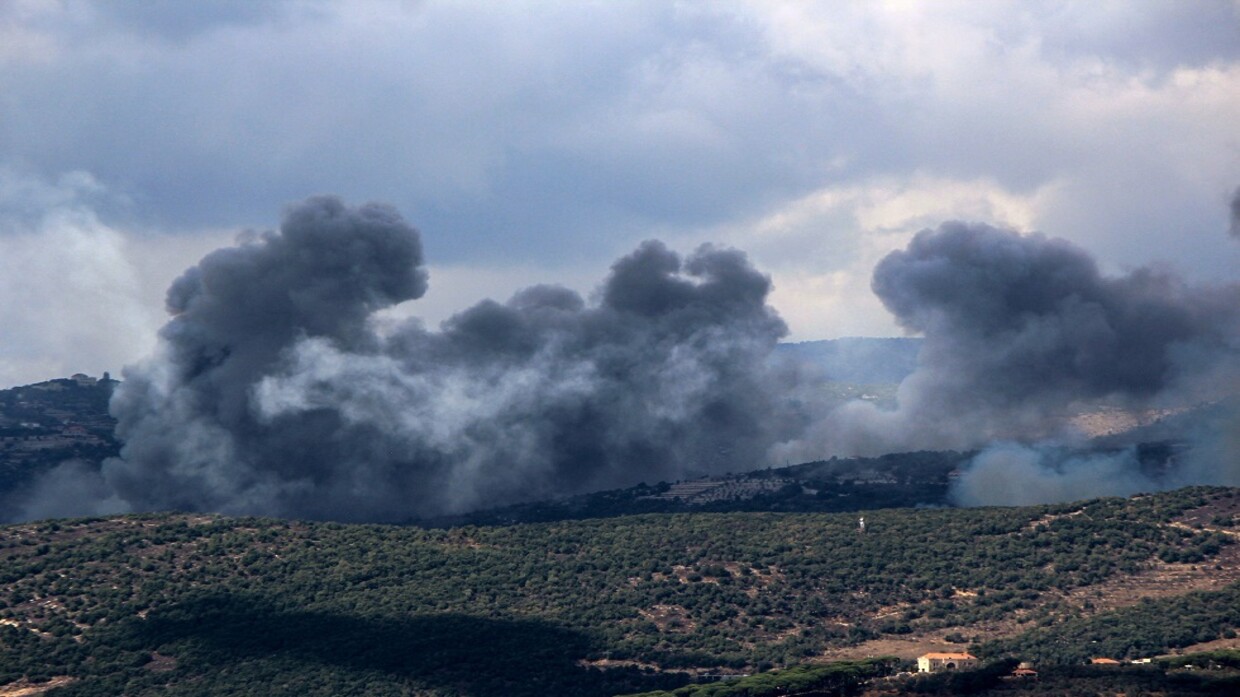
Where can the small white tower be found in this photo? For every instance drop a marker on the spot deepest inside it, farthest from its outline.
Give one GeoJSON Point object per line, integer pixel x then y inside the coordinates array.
{"type": "Point", "coordinates": [861, 524]}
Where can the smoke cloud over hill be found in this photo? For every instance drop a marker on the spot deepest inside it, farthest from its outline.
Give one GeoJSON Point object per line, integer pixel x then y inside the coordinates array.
{"type": "Point", "coordinates": [1020, 333]}
{"type": "Point", "coordinates": [273, 393]}
{"type": "Point", "coordinates": [1020, 330]}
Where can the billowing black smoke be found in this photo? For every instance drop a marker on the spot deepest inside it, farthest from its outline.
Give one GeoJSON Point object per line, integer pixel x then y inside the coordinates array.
{"type": "Point", "coordinates": [1022, 330]}
{"type": "Point", "coordinates": [1012, 319]}
{"type": "Point", "coordinates": [272, 394]}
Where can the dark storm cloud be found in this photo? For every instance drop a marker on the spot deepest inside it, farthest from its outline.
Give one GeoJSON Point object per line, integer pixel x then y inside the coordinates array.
{"type": "Point", "coordinates": [272, 394]}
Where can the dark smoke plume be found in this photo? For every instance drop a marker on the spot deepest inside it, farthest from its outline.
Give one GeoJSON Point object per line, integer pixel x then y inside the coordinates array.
{"type": "Point", "coordinates": [1021, 332]}
{"type": "Point", "coordinates": [271, 394]}
{"type": "Point", "coordinates": [1011, 318]}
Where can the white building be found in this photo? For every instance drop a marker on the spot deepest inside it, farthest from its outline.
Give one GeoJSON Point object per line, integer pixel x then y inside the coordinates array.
{"type": "Point", "coordinates": [938, 662]}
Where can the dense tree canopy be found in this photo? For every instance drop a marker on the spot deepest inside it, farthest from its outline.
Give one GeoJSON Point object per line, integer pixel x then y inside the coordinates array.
{"type": "Point", "coordinates": [208, 605]}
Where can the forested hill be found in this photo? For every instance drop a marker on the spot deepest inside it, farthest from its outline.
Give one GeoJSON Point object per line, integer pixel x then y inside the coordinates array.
{"type": "Point", "coordinates": [47, 423]}
{"type": "Point", "coordinates": [828, 486]}
{"type": "Point", "coordinates": [196, 605]}
{"type": "Point", "coordinates": [895, 480]}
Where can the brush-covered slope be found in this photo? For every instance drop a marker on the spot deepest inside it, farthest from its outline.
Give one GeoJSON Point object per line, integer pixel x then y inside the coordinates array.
{"type": "Point", "coordinates": [47, 423]}
{"type": "Point", "coordinates": [180, 604]}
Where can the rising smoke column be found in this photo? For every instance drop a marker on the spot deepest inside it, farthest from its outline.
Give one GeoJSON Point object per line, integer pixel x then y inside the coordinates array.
{"type": "Point", "coordinates": [1020, 331]}
{"type": "Point", "coordinates": [191, 440]}
{"type": "Point", "coordinates": [271, 393]}
{"type": "Point", "coordinates": [1010, 319]}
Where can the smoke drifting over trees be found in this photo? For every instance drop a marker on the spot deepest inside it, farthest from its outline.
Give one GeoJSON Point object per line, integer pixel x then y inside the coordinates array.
{"type": "Point", "coordinates": [1021, 329]}
{"type": "Point", "coordinates": [272, 392]}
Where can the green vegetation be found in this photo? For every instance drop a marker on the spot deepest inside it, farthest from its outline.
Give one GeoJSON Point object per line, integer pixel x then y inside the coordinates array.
{"type": "Point", "coordinates": [45, 424]}
{"type": "Point", "coordinates": [182, 604]}
{"type": "Point", "coordinates": [1148, 628]}
{"type": "Point", "coordinates": [1197, 674]}
{"type": "Point", "coordinates": [841, 678]}
{"type": "Point", "coordinates": [829, 486]}
{"type": "Point", "coordinates": [1155, 680]}
{"type": "Point", "coordinates": [1210, 660]}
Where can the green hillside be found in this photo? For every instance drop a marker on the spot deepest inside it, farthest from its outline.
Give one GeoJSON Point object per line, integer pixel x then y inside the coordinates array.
{"type": "Point", "coordinates": [45, 424]}
{"type": "Point", "coordinates": [202, 605]}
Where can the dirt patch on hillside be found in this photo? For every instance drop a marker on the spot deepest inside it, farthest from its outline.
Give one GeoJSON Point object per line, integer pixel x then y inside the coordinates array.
{"type": "Point", "coordinates": [160, 663]}
{"type": "Point", "coordinates": [1221, 513]}
{"type": "Point", "coordinates": [1215, 645]}
{"type": "Point", "coordinates": [1161, 581]}
{"type": "Point", "coordinates": [673, 619]}
{"type": "Point", "coordinates": [902, 647]}
{"type": "Point", "coordinates": [24, 688]}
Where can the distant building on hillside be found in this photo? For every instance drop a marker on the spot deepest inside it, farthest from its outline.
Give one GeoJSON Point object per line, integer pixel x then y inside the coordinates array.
{"type": "Point", "coordinates": [939, 662]}
{"type": "Point", "coordinates": [1104, 662]}
{"type": "Point", "coordinates": [1025, 670]}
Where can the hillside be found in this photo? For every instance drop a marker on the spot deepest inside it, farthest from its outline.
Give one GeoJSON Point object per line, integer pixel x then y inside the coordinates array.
{"type": "Point", "coordinates": [895, 480]}
{"type": "Point", "coordinates": [829, 486]}
{"type": "Point", "coordinates": [44, 424]}
{"type": "Point", "coordinates": [183, 605]}
{"type": "Point", "coordinates": [67, 420]}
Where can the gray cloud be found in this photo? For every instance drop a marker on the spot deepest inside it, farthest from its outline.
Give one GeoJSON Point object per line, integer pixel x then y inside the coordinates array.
{"type": "Point", "coordinates": [573, 132]}
{"type": "Point", "coordinates": [181, 22]}
{"type": "Point", "coordinates": [570, 132]}
{"type": "Point", "coordinates": [1234, 210]}
{"type": "Point", "coordinates": [1157, 35]}
{"type": "Point", "coordinates": [271, 394]}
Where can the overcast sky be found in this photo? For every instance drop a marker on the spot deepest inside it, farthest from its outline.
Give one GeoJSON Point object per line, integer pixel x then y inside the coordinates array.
{"type": "Point", "coordinates": [536, 141]}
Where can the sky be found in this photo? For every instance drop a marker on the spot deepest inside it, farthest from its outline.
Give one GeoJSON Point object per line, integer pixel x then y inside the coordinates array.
{"type": "Point", "coordinates": [535, 142]}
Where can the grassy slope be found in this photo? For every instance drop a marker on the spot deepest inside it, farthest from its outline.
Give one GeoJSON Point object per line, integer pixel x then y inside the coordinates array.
{"type": "Point", "coordinates": [201, 605]}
